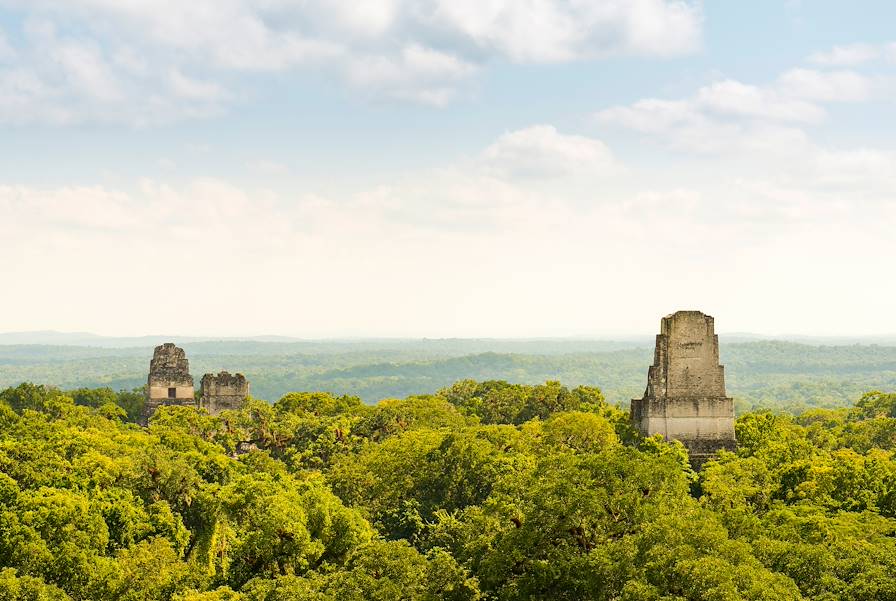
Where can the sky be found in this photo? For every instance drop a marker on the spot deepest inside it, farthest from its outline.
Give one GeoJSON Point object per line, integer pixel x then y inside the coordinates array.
{"type": "Point", "coordinates": [446, 168]}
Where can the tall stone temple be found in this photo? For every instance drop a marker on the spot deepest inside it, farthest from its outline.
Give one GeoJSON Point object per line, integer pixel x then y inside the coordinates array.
{"type": "Point", "coordinates": [685, 398]}
{"type": "Point", "coordinates": [170, 383]}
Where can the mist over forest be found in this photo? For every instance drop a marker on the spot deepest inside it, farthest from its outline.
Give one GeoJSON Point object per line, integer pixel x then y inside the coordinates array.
{"type": "Point", "coordinates": [775, 374]}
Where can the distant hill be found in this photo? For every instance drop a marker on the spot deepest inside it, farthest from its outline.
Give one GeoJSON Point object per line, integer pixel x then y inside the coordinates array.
{"type": "Point", "coordinates": [283, 344]}
{"type": "Point", "coordinates": [763, 373]}
{"type": "Point", "coordinates": [452, 345]}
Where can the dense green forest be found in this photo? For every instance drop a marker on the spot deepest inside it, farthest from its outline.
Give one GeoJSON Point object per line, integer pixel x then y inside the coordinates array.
{"type": "Point", "coordinates": [484, 490]}
{"type": "Point", "coordinates": [774, 374]}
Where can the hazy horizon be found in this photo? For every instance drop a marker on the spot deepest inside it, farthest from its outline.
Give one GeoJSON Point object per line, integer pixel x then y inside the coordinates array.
{"type": "Point", "coordinates": [82, 338]}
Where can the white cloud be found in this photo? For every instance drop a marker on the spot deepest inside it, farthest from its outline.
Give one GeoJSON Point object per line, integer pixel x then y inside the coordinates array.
{"type": "Point", "coordinates": [847, 55]}
{"type": "Point", "coordinates": [730, 116]}
{"type": "Point", "coordinates": [86, 71]}
{"type": "Point", "coordinates": [277, 33]}
{"type": "Point", "coordinates": [370, 19]}
{"type": "Point", "coordinates": [24, 97]}
{"type": "Point", "coordinates": [827, 86]}
{"type": "Point", "coordinates": [733, 117]}
{"type": "Point", "coordinates": [69, 207]}
{"type": "Point", "coordinates": [194, 89]}
{"type": "Point", "coordinates": [653, 115]}
{"type": "Point", "coordinates": [417, 73]}
{"type": "Point", "coordinates": [855, 55]}
{"type": "Point", "coordinates": [735, 98]}
{"type": "Point", "coordinates": [455, 253]}
{"type": "Point", "coordinates": [62, 79]}
{"type": "Point", "coordinates": [750, 145]}
{"type": "Point", "coordinates": [541, 151]}
{"type": "Point", "coordinates": [466, 249]}
{"type": "Point", "coordinates": [129, 51]}
{"type": "Point", "coordinates": [420, 59]}
{"type": "Point", "coordinates": [544, 31]}
{"type": "Point", "coordinates": [130, 61]}
{"type": "Point", "coordinates": [696, 127]}
{"type": "Point", "coordinates": [864, 170]}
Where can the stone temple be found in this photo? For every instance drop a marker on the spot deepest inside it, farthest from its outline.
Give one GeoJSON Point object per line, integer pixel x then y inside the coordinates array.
{"type": "Point", "coordinates": [223, 391]}
{"type": "Point", "coordinates": [170, 383]}
{"type": "Point", "coordinates": [685, 398]}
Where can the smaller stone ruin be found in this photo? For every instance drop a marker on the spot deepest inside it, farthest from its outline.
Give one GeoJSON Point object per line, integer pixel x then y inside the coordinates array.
{"type": "Point", "coordinates": [223, 391]}
{"type": "Point", "coordinates": [169, 381]}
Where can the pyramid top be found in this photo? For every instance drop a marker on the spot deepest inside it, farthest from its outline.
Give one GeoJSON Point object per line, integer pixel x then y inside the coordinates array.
{"type": "Point", "coordinates": [686, 360]}
{"type": "Point", "coordinates": [169, 364]}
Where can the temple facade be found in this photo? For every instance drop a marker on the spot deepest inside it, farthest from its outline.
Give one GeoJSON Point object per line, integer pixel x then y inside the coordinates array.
{"type": "Point", "coordinates": [169, 381]}
{"type": "Point", "coordinates": [685, 397]}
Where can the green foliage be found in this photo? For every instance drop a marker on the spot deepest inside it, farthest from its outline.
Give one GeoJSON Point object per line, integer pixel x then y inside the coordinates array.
{"type": "Point", "coordinates": [27, 588]}
{"type": "Point", "coordinates": [129, 402]}
{"type": "Point", "coordinates": [317, 403]}
{"type": "Point", "coordinates": [36, 398]}
{"type": "Point", "coordinates": [484, 491]}
{"type": "Point", "coordinates": [876, 404]}
{"type": "Point", "coordinates": [392, 416]}
{"type": "Point", "coordinates": [580, 431]}
{"type": "Point", "coordinates": [498, 402]}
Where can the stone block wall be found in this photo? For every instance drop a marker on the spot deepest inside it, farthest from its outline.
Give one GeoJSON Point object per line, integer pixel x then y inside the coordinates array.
{"type": "Point", "coordinates": [685, 397]}
{"type": "Point", "coordinates": [169, 381]}
{"type": "Point", "coordinates": [223, 391]}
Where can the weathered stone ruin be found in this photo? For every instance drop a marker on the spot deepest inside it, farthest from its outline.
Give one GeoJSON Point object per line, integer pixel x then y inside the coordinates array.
{"type": "Point", "coordinates": [223, 391]}
{"type": "Point", "coordinates": [169, 382]}
{"type": "Point", "coordinates": [685, 398]}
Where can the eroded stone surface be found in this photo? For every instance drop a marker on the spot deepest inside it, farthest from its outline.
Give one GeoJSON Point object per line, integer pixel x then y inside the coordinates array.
{"type": "Point", "coordinates": [223, 391]}
{"type": "Point", "coordinates": [169, 381]}
{"type": "Point", "coordinates": [685, 398]}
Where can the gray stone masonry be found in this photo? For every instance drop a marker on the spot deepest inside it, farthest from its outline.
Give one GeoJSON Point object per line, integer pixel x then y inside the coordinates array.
{"type": "Point", "coordinates": [223, 391]}
{"type": "Point", "coordinates": [169, 381]}
{"type": "Point", "coordinates": [685, 398]}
